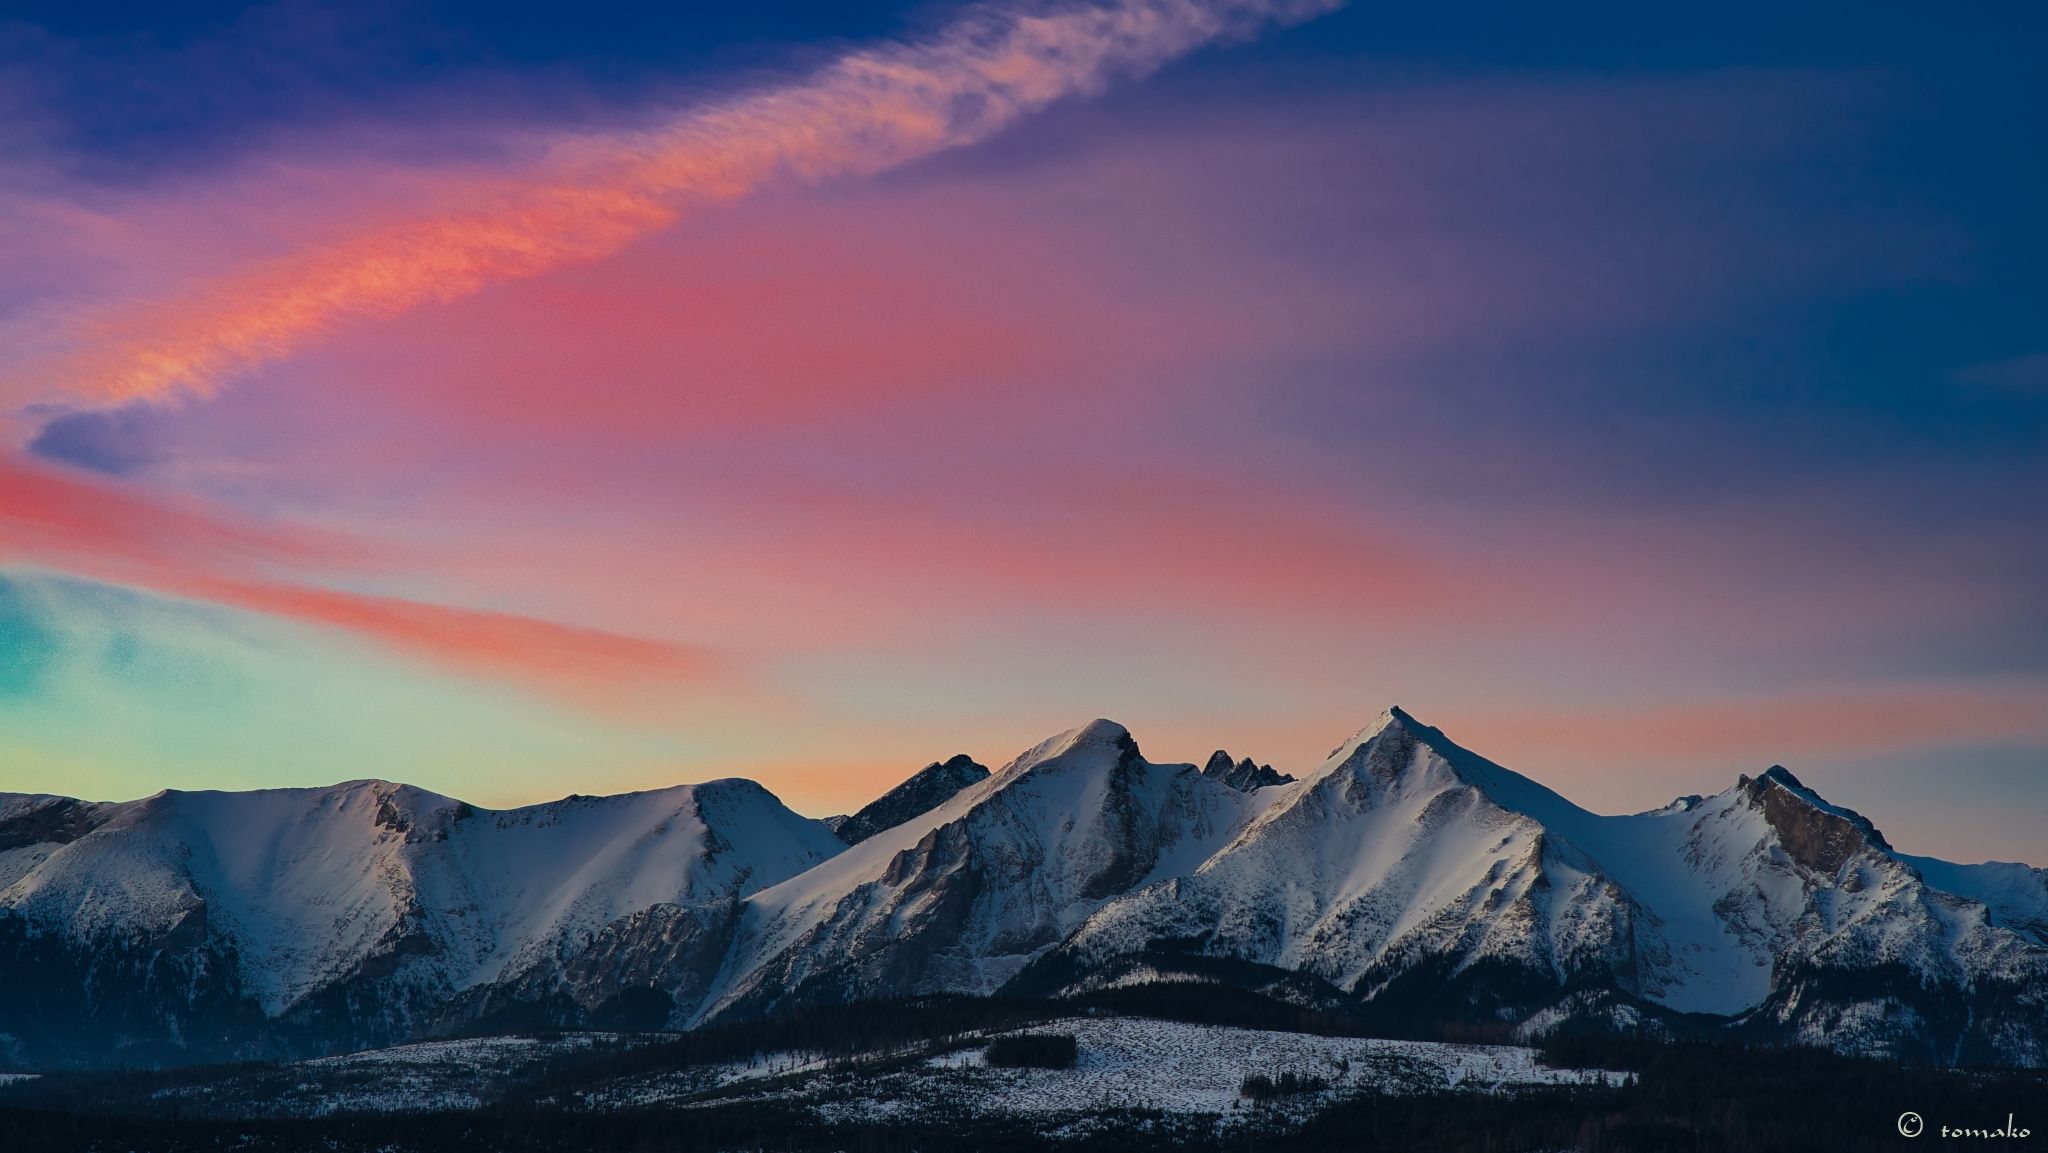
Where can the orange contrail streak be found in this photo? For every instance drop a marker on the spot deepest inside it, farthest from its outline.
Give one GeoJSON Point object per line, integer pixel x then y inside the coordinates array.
{"type": "Point", "coordinates": [868, 112]}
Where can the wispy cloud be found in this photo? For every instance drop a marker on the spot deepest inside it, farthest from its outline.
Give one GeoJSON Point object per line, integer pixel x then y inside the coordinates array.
{"type": "Point", "coordinates": [872, 110]}
{"type": "Point", "coordinates": [110, 533]}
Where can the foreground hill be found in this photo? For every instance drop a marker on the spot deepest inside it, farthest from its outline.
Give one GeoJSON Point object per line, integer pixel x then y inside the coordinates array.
{"type": "Point", "coordinates": [1406, 883]}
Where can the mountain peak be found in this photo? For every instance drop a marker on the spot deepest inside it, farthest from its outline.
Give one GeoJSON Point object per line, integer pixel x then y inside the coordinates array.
{"type": "Point", "coordinates": [1245, 776]}
{"type": "Point", "coordinates": [1102, 731]}
{"type": "Point", "coordinates": [1818, 834]}
{"type": "Point", "coordinates": [1393, 717]}
{"type": "Point", "coordinates": [1099, 742]}
{"type": "Point", "coordinates": [1396, 746]}
{"type": "Point", "coordinates": [1782, 775]}
{"type": "Point", "coordinates": [925, 790]}
{"type": "Point", "coordinates": [1397, 721]}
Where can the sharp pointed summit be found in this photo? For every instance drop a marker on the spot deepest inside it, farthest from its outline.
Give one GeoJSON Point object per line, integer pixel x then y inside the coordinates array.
{"type": "Point", "coordinates": [1391, 717]}
{"type": "Point", "coordinates": [1818, 834]}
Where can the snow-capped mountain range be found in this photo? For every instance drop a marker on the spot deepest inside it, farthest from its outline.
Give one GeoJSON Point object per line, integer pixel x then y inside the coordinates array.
{"type": "Point", "coordinates": [1405, 880]}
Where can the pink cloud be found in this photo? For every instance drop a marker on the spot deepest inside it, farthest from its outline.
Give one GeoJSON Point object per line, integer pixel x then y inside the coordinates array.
{"type": "Point", "coordinates": [185, 550]}
{"type": "Point", "coordinates": [873, 110]}
{"type": "Point", "coordinates": [775, 317]}
{"type": "Point", "coordinates": [1019, 384]}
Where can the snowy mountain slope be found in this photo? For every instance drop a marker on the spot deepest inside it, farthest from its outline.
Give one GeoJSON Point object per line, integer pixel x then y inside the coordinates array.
{"type": "Point", "coordinates": [379, 902]}
{"type": "Point", "coordinates": [1406, 878]}
{"type": "Point", "coordinates": [32, 824]}
{"type": "Point", "coordinates": [1407, 859]}
{"type": "Point", "coordinates": [1383, 856]}
{"type": "Point", "coordinates": [926, 790]}
{"type": "Point", "coordinates": [510, 890]}
{"type": "Point", "coordinates": [299, 884]}
{"type": "Point", "coordinates": [2014, 895]}
{"type": "Point", "coordinates": [962, 897]}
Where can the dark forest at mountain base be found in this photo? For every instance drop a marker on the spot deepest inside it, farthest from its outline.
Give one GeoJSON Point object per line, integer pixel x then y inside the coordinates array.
{"type": "Point", "coordinates": [1686, 1096]}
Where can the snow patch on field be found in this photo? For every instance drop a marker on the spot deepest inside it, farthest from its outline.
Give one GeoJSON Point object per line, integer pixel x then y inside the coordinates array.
{"type": "Point", "coordinates": [1181, 1068]}
{"type": "Point", "coordinates": [1132, 1064]}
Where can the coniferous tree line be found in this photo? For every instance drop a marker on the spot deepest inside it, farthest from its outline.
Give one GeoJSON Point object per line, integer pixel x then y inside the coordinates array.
{"type": "Point", "coordinates": [1685, 1096]}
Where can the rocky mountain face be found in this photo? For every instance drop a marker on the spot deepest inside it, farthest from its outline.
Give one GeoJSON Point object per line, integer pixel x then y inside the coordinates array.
{"type": "Point", "coordinates": [1244, 775]}
{"type": "Point", "coordinates": [1406, 880]}
{"type": "Point", "coordinates": [926, 790]}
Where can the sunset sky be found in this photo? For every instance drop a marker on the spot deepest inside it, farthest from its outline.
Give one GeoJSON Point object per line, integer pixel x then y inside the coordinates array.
{"type": "Point", "coordinates": [520, 400]}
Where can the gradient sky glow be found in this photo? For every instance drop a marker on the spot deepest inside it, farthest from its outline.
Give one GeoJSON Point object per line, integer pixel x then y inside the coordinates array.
{"type": "Point", "coordinates": [519, 403]}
